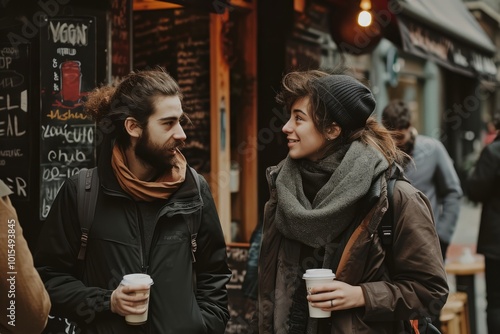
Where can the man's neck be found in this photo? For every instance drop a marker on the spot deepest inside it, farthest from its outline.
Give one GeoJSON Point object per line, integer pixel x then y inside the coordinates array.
{"type": "Point", "coordinates": [141, 170]}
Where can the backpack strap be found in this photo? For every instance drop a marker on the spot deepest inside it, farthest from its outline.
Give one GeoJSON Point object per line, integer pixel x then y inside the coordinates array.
{"type": "Point", "coordinates": [193, 227]}
{"type": "Point", "coordinates": [385, 229]}
{"type": "Point", "coordinates": [194, 224]}
{"type": "Point", "coordinates": [87, 200]}
{"type": "Point", "coordinates": [386, 225]}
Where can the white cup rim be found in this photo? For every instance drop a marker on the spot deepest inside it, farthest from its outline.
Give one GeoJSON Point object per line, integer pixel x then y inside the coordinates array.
{"type": "Point", "coordinates": [318, 274]}
{"type": "Point", "coordinates": [137, 279]}
{"type": "Point", "coordinates": [318, 277]}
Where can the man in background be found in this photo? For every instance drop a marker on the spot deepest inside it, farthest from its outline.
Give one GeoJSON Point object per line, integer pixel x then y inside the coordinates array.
{"type": "Point", "coordinates": [483, 186]}
{"type": "Point", "coordinates": [431, 171]}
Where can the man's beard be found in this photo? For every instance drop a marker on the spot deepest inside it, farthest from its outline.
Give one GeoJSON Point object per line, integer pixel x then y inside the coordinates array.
{"type": "Point", "coordinates": [160, 158]}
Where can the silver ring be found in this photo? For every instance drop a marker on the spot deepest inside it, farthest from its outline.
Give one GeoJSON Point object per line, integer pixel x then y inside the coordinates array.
{"type": "Point", "coordinates": [331, 302]}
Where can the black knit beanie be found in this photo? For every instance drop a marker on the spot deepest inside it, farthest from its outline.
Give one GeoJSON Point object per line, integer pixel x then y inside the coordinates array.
{"type": "Point", "coordinates": [347, 100]}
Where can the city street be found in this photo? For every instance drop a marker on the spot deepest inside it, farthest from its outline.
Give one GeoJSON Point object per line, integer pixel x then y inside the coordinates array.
{"type": "Point", "coordinates": [466, 236]}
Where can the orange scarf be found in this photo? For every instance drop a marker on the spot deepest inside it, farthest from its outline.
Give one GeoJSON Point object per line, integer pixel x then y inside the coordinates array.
{"type": "Point", "coordinates": [161, 188]}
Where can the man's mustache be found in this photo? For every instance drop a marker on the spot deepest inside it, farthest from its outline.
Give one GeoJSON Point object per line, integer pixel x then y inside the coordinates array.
{"type": "Point", "coordinates": [178, 144]}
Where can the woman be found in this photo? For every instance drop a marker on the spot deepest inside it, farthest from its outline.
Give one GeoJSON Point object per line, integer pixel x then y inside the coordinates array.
{"type": "Point", "coordinates": [327, 198]}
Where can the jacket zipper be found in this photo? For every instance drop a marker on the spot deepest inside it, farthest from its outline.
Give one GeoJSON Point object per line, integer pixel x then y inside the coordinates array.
{"type": "Point", "coordinates": [142, 243]}
{"type": "Point", "coordinates": [154, 240]}
{"type": "Point", "coordinates": [142, 255]}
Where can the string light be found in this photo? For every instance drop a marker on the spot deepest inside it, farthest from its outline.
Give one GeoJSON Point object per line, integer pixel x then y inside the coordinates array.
{"type": "Point", "coordinates": [365, 17]}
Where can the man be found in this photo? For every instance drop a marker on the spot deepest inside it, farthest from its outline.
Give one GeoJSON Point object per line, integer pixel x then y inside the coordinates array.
{"type": "Point", "coordinates": [431, 171]}
{"type": "Point", "coordinates": [22, 296]}
{"type": "Point", "coordinates": [483, 185]}
{"type": "Point", "coordinates": [147, 198]}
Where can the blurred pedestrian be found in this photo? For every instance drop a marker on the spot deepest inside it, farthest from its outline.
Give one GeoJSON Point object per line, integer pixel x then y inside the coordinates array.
{"type": "Point", "coordinates": [483, 185]}
{"type": "Point", "coordinates": [328, 197]}
{"type": "Point", "coordinates": [250, 286]}
{"type": "Point", "coordinates": [491, 133]}
{"type": "Point", "coordinates": [22, 295]}
{"type": "Point", "coordinates": [148, 199]}
{"type": "Point", "coordinates": [250, 283]}
{"type": "Point", "coordinates": [431, 171]}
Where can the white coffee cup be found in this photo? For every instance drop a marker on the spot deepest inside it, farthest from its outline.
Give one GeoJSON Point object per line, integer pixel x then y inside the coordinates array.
{"type": "Point", "coordinates": [138, 279]}
{"type": "Point", "coordinates": [317, 277]}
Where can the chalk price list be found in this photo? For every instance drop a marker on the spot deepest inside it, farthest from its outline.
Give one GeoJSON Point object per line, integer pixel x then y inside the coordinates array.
{"type": "Point", "coordinates": [14, 111]}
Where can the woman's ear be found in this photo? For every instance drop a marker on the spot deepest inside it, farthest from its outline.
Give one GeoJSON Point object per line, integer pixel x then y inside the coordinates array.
{"type": "Point", "coordinates": [132, 127]}
{"type": "Point", "coordinates": [333, 131]}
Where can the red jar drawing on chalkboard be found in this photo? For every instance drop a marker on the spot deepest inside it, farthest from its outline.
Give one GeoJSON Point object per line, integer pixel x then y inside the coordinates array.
{"type": "Point", "coordinates": [71, 81]}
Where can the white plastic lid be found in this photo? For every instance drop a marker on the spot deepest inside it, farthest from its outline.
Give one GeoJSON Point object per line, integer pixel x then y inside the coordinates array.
{"type": "Point", "coordinates": [137, 279]}
{"type": "Point", "coordinates": [319, 273]}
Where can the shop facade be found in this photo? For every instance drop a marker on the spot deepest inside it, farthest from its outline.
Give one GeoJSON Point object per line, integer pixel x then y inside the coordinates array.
{"type": "Point", "coordinates": [446, 71]}
{"type": "Point", "coordinates": [435, 56]}
{"type": "Point", "coordinates": [209, 48]}
{"type": "Point", "coordinates": [229, 58]}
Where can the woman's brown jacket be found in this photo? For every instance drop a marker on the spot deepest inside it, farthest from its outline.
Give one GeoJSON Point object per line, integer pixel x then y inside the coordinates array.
{"type": "Point", "coordinates": [416, 285]}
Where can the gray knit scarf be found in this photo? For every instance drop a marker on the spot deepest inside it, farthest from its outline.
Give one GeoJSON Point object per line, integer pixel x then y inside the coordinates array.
{"type": "Point", "coordinates": [320, 223]}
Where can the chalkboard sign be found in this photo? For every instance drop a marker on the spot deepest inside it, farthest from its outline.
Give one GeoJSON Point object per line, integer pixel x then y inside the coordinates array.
{"type": "Point", "coordinates": [179, 41]}
{"type": "Point", "coordinates": [121, 18]}
{"type": "Point", "coordinates": [241, 308]}
{"type": "Point", "coordinates": [14, 116]}
{"type": "Point", "coordinates": [67, 64]}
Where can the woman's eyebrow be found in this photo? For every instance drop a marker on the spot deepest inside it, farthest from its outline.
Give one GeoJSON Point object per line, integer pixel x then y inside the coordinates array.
{"type": "Point", "coordinates": [299, 111]}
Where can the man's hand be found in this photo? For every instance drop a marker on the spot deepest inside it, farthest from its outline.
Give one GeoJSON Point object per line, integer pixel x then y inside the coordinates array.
{"type": "Point", "coordinates": [127, 300]}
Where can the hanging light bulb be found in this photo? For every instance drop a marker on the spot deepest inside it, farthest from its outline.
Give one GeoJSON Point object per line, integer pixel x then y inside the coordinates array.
{"type": "Point", "coordinates": [365, 17]}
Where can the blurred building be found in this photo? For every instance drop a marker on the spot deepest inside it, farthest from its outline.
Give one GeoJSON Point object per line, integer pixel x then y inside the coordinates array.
{"type": "Point", "coordinates": [229, 57]}
{"type": "Point", "coordinates": [439, 56]}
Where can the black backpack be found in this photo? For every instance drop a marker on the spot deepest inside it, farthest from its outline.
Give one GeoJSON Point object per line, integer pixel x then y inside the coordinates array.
{"type": "Point", "coordinates": [385, 231]}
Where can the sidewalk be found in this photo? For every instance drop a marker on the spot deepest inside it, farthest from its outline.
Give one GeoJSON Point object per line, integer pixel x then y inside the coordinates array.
{"type": "Point", "coordinates": [466, 236]}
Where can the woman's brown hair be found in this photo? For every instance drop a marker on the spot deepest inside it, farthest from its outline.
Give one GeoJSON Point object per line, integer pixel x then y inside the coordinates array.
{"type": "Point", "coordinates": [297, 85]}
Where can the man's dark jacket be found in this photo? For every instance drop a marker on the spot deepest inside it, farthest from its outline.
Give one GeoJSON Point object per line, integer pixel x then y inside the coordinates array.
{"type": "Point", "coordinates": [116, 248]}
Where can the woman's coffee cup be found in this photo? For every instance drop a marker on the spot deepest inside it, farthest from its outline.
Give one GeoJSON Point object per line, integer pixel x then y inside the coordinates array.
{"type": "Point", "coordinates": [317, 277]}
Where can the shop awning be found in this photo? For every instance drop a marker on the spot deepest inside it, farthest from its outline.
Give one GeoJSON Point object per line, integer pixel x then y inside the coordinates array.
{"type": "Point", "coordinates": [446, 32]}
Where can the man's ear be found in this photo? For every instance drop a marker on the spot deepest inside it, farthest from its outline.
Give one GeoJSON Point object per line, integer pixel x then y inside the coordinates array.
{"type": "Point", "coordinates": [333, 131]}
{"type": "Point", "coordinates": [132, 127]}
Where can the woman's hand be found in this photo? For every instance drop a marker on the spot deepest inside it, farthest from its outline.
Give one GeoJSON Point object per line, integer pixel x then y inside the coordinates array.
{"type": "Point", "coordinates": [336, 296]}
{"type": "Point", "coordinates": [127, 300]}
